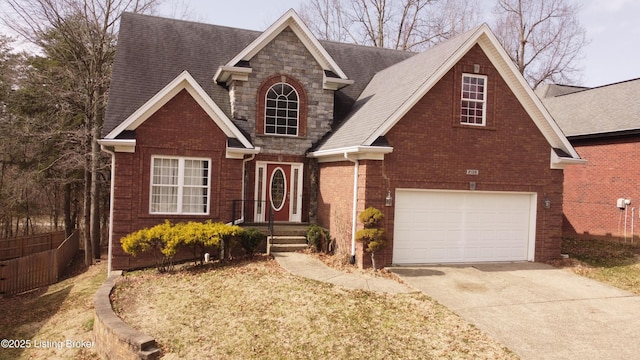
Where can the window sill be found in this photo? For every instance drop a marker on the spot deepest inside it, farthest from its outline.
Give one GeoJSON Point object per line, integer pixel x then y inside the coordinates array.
{"type": "Point", "coordinates": [175, 216]}
{"type": "Point", "coordinates": [281, 136]}
{"type": "Point", "coordinates": [475, 127]}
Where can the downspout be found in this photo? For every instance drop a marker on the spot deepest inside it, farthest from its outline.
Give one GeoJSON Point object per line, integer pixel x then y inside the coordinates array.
{"type": "Point", "coordinates": [244, 186]}
{"type": "Point", "coordinates": [111, 199]}
{"type": "Point", "coordinates": [354, 218]}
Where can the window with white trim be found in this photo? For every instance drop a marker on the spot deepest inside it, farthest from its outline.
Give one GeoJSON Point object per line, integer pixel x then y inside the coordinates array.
{"type": "Point", "coordinates": [281, 110]}
{"type": "Point", "coordinates": [474, 100]}
{"type": "Point", "coordinates": [179, 185]}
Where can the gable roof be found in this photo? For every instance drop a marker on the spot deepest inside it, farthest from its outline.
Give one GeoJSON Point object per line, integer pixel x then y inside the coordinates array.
{"type": "Point", "coordinates": [395, 90]}
{"type": "Point", "coordinates": [184, 81]}
{"type": "Point", "coordinates": [289, 20]}
{"type": "Point", "coordinates": [601, 111]}
{"type": "Point", "coordinates": [153, 51]}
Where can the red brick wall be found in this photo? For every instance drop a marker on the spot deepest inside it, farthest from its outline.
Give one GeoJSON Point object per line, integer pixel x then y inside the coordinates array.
{"type": "Point", "coordinates": [433, 151]}
{"type": "Point", "coordinates": [591, 190]}
{"type": "Point", "coordinates": [180, 128]}
{"type": "Point", "coordinates": [335, 202]}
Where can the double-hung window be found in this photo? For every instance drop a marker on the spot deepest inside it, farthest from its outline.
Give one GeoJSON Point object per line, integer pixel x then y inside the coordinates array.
{"type": "Point", "coordinates": [474, 100]}
{"type": "Point", "coordinates": [180, 185]}
{"type": "Point", "coordinates": [281, 110]}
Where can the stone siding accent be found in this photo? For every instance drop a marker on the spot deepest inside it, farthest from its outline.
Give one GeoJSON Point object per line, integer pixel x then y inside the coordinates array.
{"type": "Point", "coordinates": [287, 57]}
{"type": "Point", "coordinates": [114, 338]}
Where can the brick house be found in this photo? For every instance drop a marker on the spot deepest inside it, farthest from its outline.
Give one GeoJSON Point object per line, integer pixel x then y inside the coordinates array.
{"type": "Point", "coordinates": [451, 144]}
{"type": "Point", "coordinates": [605, 130]}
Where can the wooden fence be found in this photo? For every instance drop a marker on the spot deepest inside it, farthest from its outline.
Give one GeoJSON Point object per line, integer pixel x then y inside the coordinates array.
{"type": "Point", "coordinates": [36, 270]}
{"type": "Point", "coordinates": [26, 245]}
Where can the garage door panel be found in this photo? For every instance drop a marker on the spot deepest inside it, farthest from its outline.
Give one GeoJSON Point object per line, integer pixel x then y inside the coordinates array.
{"type": "Point", "coordinates": [446, 227]}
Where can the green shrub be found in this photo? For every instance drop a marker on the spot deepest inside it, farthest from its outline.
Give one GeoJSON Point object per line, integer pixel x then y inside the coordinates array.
{"type": "Point", "coordinates": [319, 238]}
{"type": "Point", "coordinates": [250, 238]}
{"type": "Point", "coordinates": [373, 236]}
{"type": "Point", "coordinates": [165, 239]}
{"type": "Point", "coordinates": [374, 239]}
{"type": "Point", "coordinates": [156, 240]}
{"type": "Point", "coordinates": [371, 218]}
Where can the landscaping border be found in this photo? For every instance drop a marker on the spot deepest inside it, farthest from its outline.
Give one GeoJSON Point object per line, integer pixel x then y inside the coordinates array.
{"type": "Point", "coordinates": [115, 339]}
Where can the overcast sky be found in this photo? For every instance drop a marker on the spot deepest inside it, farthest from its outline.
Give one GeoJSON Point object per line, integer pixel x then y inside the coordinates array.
{"type": "Point", "coordinates": [612, 27]}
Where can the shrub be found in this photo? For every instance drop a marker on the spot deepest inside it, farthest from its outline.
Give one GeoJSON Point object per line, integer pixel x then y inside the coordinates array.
{"type": "Point", "coordinates": [373, 236]}
{"type": "Point", "coordinates": [371, 218]}
{"type": "Point", "coordinates": [374, 239]}
{"type": "Point", "coordinates": [156, 240]}
{"type": "Point", "coordinates": [319, 238]}
{"type": "Point", "coordinates": [165, 239]}
{"type": "Point", "coordinates": [250, 239]}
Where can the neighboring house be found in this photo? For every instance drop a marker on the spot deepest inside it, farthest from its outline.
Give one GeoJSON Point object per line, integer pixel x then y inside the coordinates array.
{"type": "Point", "coordinates": [603, 125]}
{"type": "Point", "coordinates": [451, 144]}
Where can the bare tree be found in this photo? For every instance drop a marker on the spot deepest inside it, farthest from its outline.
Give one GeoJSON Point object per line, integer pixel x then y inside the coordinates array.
{"type": "Point", "coordinates": [327, 19]}
{"type": "Point", "coordinates": [84, 32]}
{"type": "Point", "coordinates": [398, 24]}
{"type": "Point", "coordinates": [543, 38]}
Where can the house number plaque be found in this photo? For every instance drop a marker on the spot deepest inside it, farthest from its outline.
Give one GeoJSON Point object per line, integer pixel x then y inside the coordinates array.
{"type": "Point", "coordinates": [472, 172]}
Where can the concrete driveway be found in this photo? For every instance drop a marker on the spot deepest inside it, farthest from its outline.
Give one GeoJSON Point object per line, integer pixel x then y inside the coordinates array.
{"type": "Point", "coordinates": [537, 311]}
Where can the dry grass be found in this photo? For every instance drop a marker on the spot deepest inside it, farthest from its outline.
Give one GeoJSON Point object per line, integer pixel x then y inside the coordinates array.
{"type": "Point", "coordinates": [611, 262]}
{"type": "Point", "coordinates": [255, 310]}
{"type": "Point", "coordinates": [57, 313]}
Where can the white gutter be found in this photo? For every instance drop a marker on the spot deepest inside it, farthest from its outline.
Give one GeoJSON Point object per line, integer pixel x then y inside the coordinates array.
{"type": "Point", "coordinates": [244, 186]}
{"type": "Point", "coordinates": [364, 152]}
{"type": "Point", "coordinates": [355, 206]}
{"type": "Point", "coordinates": [111, 199]}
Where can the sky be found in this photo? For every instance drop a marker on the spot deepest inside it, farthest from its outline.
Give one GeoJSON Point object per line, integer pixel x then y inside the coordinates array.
{"type": "Point", "coordinates": [612, 27]}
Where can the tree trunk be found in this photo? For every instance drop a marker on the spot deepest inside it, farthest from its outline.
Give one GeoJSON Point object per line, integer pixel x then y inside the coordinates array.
{"type": "Point", "coordinates": [88, 253]}
{"type": "Point", "coordinates": [68, 221]}
{"type": "Point", "coordinates": [95, 219]}
{"type": "Point", "coordinates": [95, 200]}
{"type": "Point", "coordinates": [373, 261]}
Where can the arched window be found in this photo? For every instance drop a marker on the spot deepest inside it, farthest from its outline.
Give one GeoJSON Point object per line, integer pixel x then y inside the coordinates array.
{"type": "Point", "coordinates": [281, 110]}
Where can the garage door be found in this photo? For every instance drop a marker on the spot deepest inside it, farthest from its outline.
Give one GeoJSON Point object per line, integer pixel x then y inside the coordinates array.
{"type": "Point", "coordinates": [434, 227]}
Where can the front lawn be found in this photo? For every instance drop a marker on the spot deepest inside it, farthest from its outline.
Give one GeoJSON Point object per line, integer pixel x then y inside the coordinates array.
{"type": "Point", "coordinates": [256, 310]}
{"type": "Point", "coordinates": [612, 262]}
{"type": "Point", "coordinates": [56, 321]}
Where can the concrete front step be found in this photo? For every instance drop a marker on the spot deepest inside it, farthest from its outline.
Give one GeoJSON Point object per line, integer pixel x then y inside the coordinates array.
{"type": "Point", "coordinates": [278, 248]}
{"type": "Point", "coordinates": [282, 229]}
{"type": "Point", "coordinates": [289, 239]}
{"type": "Point", "coordinates": [286, 243]}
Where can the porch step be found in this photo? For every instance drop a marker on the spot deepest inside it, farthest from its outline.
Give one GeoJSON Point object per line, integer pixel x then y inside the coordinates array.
{"type": "Point", "coordinates": [283, 229]}
{"type": "Point", "coordinates": [288, 239]}
{"type": "Point", "coordinates": [286, 243]}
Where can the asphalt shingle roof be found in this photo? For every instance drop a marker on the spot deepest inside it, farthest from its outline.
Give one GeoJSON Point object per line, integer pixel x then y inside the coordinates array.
{"type": "Point", "coordinates": [389, 90]}
{"type": "Point", "coordinates": [606, 109]}
{"type": "Point", "coordinates": [152, 51]}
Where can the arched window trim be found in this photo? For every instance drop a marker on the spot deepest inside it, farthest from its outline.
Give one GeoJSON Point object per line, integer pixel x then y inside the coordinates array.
{"type": "Point", "coordinates": [279, 120]}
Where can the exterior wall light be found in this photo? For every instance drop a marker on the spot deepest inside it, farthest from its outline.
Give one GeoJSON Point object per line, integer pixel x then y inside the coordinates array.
{"type": "Point", "coordinates": [388, 201]}
{"type": "Point", "coordinates": [547, 202]}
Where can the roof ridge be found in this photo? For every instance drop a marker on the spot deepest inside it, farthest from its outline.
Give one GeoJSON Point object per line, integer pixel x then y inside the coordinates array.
{"type": "Point", "coordinates": [585, 89]}
{"type": "Point", "coordinates": [194, 22]}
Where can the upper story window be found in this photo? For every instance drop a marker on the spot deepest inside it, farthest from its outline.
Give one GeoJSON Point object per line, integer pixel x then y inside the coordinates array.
{"type": "Point", "coordinates": [179, 185]}
{"type": "Point", "coordinates": [474, 99]}
{"type": "Point", "coordinates": [281, 110]}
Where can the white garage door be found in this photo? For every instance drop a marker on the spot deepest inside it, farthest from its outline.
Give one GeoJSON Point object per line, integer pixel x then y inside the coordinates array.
{"type": "Point", "coordinates": [434, 227]}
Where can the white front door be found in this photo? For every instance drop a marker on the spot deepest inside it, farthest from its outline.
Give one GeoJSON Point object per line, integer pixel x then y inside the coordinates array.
{"type": "Point", "coordinates": [278, 192]}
